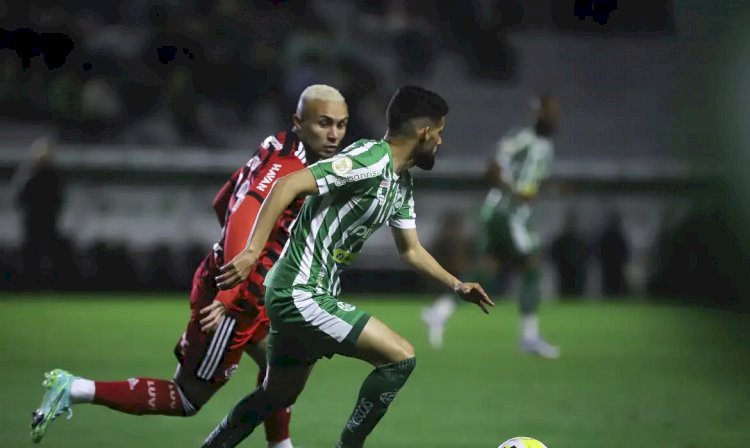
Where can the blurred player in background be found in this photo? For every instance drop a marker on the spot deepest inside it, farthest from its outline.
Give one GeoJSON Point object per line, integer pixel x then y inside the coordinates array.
{"type": "Point", "coordinates": [523, 160]}
{"type": "Point", "coordinates": [39, 188]}
{"type": "Point", "coordinates": [207, 360]}
{"type": "Point", "coordinates": [351, 196]}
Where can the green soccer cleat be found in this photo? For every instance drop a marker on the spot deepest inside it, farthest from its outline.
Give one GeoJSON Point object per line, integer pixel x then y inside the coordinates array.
{"type": "Point", "coordinates": [56, 400]}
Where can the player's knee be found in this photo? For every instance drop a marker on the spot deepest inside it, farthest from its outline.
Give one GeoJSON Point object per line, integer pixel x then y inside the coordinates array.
{"type": "Point", "coordinates": [405, 351]}
{"type": "Point", "coordinates": [282, 398]}
{"type": "Point", "coordinates": [401, 370]}
{"type": "Point", "coordinates": [191, 397]}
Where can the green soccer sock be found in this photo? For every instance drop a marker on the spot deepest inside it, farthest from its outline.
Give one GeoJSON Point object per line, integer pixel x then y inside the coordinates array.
{"type": "Point", "coordinates": [376, 394]}
{"type": "Point", "coordinates": [530, 291]}
{"type": "Point", "coordinates": [246, 415]}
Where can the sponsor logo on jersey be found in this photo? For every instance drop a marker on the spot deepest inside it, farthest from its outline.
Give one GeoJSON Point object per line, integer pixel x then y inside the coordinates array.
{"type": "Point", "coordinates": [269, 177]}
{"type": "Point", "coordinates": [343, 306]}
{"type": "Point", "coordinates": [356, 177]}
{"type": "Point", "coordinates": [342, 166]}
{"type": "Point", "coordinates": [363, 232]}
{"type": "Point", "coordinates": [342, 256]}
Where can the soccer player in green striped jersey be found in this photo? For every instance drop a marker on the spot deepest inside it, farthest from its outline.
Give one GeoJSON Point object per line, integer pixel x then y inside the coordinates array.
{"type": "Point", "coordinates": [522, 161]}
{"type": "Point", "coordinates": [349, 197]}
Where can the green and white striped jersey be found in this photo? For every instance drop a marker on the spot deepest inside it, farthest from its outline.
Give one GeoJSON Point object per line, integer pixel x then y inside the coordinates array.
{"type": "Point", "coordinates": [358, 191]}
{"type": "Point", "coordinates": [525, 159]}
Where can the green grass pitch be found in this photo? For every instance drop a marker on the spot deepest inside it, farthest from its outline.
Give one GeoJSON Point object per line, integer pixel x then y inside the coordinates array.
{"type": "Point", "coordinates": [631, 374]}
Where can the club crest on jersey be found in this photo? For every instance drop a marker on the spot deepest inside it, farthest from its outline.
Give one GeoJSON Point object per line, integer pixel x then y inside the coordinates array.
{"type": "Point", "coordinates": [343, 306]}
{"type": "Point", "coordinates": [342, 166]}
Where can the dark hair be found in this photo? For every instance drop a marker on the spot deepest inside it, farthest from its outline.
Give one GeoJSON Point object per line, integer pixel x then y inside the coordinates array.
{"type": "Point", "coordinates": [411, 102]}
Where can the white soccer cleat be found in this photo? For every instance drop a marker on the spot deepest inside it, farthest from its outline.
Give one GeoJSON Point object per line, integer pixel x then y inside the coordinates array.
{"type": "Point", "coordinates": [540, 347]}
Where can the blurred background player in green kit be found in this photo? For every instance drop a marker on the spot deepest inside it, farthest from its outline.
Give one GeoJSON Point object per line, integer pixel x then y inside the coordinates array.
{"type": "Point", "coordinates": [522, 161]}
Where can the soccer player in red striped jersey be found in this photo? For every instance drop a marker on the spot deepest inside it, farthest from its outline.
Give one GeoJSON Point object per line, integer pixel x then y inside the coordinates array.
{"type": "Point", "coordinates": [208, 359]}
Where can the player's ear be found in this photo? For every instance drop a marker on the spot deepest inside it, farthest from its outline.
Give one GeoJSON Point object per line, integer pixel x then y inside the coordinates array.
{"type": "Point", "coordinates": [297, 120]}
{"type": "Point", "coordinates": [424, 134]}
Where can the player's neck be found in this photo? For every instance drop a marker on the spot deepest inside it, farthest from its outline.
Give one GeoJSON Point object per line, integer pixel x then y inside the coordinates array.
{"type": "Point", "coordinates": [311, 157]}
{"type": "Point", "coordinates": [542, 129]}
{"type": "Point", "coordinates": [402, 149]}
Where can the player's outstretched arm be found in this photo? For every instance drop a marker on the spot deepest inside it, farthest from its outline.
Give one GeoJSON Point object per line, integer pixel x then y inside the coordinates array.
{"type": "Point", "coordinates": [283, 192]}
{"type": "Point", "coordinates": [413, 253]}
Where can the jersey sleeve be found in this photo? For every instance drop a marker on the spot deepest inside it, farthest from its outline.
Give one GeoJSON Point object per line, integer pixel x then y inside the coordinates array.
{"type": "Point", "coordinates": [249, 198]}
{"type": "Point", "coordinates": [405, 217]}
{"type": "Point", "coordinates": [349, 170]}
{"type": "Point", "coordinates": [258, 184]}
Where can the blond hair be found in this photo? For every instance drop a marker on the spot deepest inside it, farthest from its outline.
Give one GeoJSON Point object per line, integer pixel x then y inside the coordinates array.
{"type": "Point", "coordinates": [320, 92]}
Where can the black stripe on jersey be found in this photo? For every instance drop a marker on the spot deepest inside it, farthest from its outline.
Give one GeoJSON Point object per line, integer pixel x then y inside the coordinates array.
{"type": "Point", "coordinates": [262, 270]}
{"type": "Point", "coordinates": [290, 144]}
{"type": "Point", "coordinates": [264, 162]}
{"type": "Point", "coordinates": [255, 196]}
{"type": "Point", "coordinates": [273, 256]}
{"type": "Point", "coordinates": [280, 238]}
{"type": "Point", "coordinates": [254, 289]}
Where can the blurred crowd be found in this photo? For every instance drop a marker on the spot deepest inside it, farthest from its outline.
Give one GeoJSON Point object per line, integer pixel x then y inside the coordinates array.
{"type": "Point", "coordinates": [189, 72]}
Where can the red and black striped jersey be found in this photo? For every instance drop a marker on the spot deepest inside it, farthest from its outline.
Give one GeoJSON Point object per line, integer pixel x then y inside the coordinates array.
{"type": "Point", "coordinates": [277, 156]}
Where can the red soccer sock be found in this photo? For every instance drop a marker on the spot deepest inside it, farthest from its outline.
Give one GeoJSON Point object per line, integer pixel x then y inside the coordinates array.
{"type": "Point", "coordinates": [277, 424]}
{"type": "Point", "coordinates": [140, 396]}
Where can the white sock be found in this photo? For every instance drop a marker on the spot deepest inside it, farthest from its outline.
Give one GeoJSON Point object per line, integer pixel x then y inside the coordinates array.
{"type": "Point", "coordinates": [287, 443]}
{"type": "Point", "coordinates": [529, 327]}
{"type": "Point", "coordinates": [444, 307]}
{"type": "Point", "coordinates": [82, 391]}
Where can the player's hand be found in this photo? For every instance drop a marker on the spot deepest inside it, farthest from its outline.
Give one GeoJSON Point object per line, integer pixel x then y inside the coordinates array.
{"type": "Point", "coordinates": [236, 271]}
{"type": "Point", "coordinates": [473, 293]}
{"type": "Point", "coordinates": [213, 314]}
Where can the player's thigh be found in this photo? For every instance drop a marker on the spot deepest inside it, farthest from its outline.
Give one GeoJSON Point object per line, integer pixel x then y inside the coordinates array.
{"type": "Point", "coordinates": [285, 383]}
{"type": "Point", "coordinates": [378, 344]}
{"type": "Point", "coordinates": [258, 352]}
{"type": "Point", "coordinates": [307, 326]}
{"type": "Point", "coordinates": [214, 357]}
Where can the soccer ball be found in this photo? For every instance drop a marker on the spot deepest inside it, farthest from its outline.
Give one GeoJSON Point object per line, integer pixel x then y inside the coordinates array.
{"type": "Point", "coordinates": [522, 442]}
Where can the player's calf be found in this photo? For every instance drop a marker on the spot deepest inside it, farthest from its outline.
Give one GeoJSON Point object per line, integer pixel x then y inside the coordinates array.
{"type": "Point", "coordinates": [375, 396]}
{"type": "Point", "coordinates": [394, 360]}
{"type": "Point", "coordinates": [143, 396]}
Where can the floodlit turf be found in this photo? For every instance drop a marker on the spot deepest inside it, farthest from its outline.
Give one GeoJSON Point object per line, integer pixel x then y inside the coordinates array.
{"type": "Point", "coordinates": [629, 375]}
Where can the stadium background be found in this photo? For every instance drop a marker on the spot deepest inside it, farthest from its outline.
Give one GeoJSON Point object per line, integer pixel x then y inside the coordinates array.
{"type": "Point", "coordinates": [158, 102]}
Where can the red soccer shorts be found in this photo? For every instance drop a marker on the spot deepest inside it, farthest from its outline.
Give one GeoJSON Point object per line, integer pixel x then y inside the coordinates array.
{"type": "Point", "coordinates": [215, 357]}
